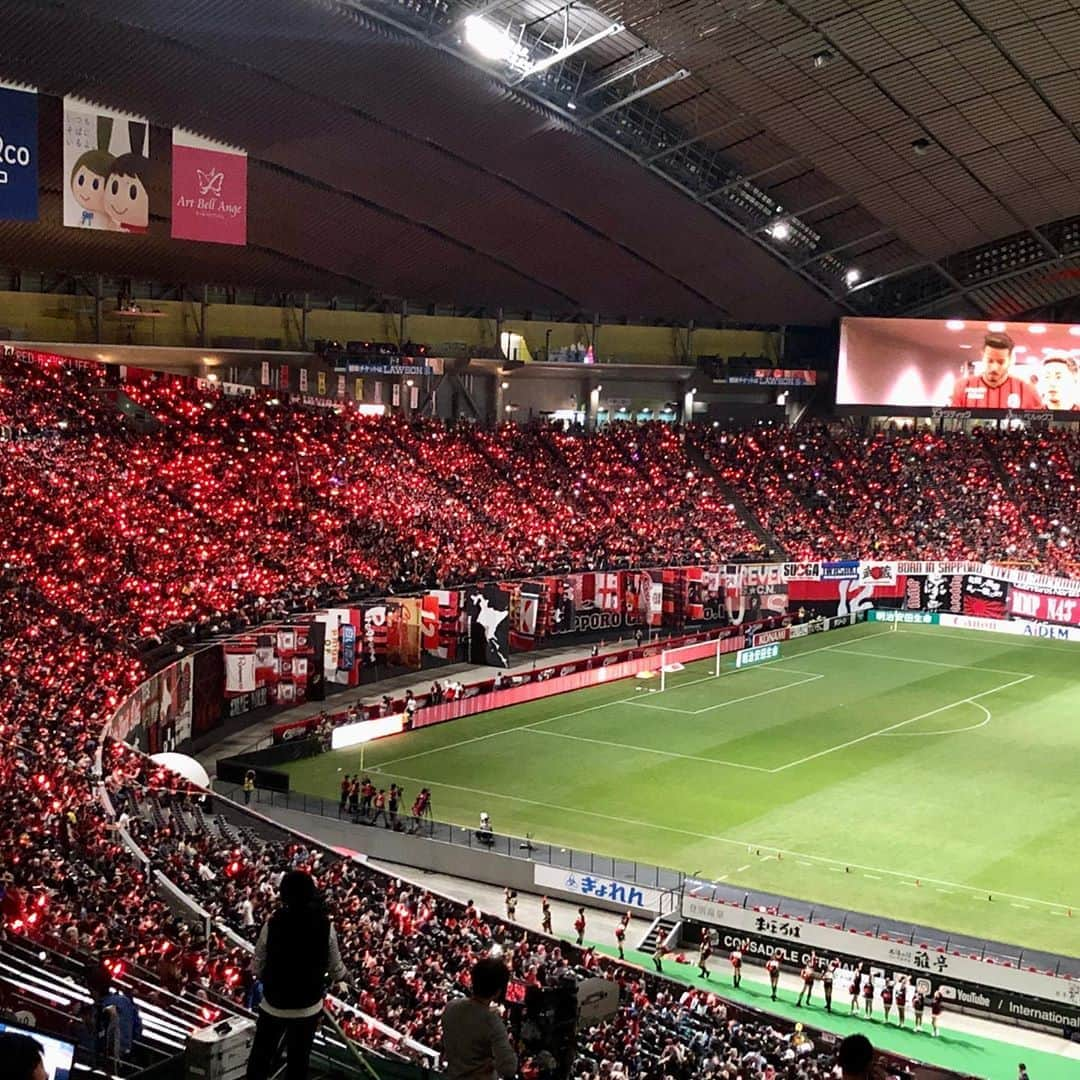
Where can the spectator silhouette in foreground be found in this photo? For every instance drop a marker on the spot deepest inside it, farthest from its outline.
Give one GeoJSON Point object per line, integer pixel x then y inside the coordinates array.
{"type": "Point", "coordinates": [22, 1055]}
{"type": "Point", "coordinates": [296, 948]}
{"type": "Point", "coordinates": [475, 1043]}
{"type": "Point", "coordinates": [856, 1057]}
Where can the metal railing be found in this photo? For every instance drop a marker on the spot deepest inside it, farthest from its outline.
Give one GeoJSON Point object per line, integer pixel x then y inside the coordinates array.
{"type": "Point", "coordinates": [519, 847]}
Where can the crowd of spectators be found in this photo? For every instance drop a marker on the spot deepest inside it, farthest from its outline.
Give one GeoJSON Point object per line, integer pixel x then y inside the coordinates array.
{"type": "Point", "coordinates": [410, 951]}
{"type": "Point", "coordinates": [217, 510]}
{"type": "Point", "coordinates": [70, 881]}
{"type": "Point", "coordinates": [903, 494]}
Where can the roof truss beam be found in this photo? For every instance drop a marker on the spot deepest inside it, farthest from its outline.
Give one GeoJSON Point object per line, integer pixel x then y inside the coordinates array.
{"type": "Point", "coordinates": [643, 91]}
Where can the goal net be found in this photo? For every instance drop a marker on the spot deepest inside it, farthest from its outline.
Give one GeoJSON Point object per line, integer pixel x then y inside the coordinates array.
{"type": "Point", "coordinates": [689, 663]}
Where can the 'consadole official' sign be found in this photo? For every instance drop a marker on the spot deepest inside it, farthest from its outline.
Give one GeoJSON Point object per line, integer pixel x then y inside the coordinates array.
{"type": "Point", "coordinates": [941, 966]}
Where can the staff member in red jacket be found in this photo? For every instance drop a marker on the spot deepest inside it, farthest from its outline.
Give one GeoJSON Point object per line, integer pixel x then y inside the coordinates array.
{"type": "Point", "coordinates": [993, 387]}
{"type": "Point", "coordinates": [579, 926]}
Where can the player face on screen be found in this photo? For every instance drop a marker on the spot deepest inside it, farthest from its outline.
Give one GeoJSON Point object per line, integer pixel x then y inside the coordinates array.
{"type": "Point", "coordinates": [997, 357]}
{"type": "Point", "coordinates": [1057, 383]}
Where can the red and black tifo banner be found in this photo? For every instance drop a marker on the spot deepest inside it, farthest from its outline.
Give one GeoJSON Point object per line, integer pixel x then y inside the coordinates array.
{"type": "Point", "coordinates": [957, 594]}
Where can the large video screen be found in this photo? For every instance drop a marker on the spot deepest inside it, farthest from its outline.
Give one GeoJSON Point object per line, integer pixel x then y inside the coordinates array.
{"type": "Point", "coordinates": [916, 364]}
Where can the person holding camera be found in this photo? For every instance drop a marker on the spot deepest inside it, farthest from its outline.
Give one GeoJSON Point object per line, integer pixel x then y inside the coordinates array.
{"type": "Point", "coordinates": [295, 950]}
{"type": "Point", "coordinates": [476, 1044]}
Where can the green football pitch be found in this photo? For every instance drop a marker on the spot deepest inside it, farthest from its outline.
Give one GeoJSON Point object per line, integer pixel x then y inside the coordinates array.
{"type": "Point", "coordinates": [920, 773]}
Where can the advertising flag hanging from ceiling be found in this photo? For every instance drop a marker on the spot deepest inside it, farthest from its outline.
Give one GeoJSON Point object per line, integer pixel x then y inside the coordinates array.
{"type": "Point", "coordinates": [18, 153]}
{"type": "Point", "coordinates": [106, 168]}
{"type": "Point", "coordinates": [209, 190]}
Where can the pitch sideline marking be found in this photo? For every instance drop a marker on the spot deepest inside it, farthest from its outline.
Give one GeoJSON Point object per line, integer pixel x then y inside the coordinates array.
{"type": "Point", "coordinates": [953, 731]}
{"type": "Point", "coordinates": [934, 663]}
{"type": "Point", "coordinates": [647, 750]}
{"type": "Point", "coordinates": [901, 723]}
{"type": "Point", "coordinates": [1012, 643]}
{"type": "Point", "coordinates": [603, 705]}
{"type": "Point", "coordinates": [833, 864]}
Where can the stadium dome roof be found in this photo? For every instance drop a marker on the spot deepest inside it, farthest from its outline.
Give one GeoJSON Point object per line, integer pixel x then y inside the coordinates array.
{"type": "Point", "coordinates": [931, 146]}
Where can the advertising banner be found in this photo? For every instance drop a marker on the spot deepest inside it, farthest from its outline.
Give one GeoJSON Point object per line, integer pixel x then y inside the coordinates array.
{"type": "Point", "coordinates": [403, 631]}
{"type": "Point", "coordinates": [240, 667]}
{"type": "Point", "coordinates": [958, 594]}
{"type": "Point", "coordinates": [844, 595]}
{"type": "Point", "coordinates": [584, 603]}
{"type": "Point", "coordinates": [1014, 627]}
{"type": "Point", "coordinates": [208, 689]}
{"type": "Point", "coordinates": [760, 654]}
{"type": "Point", "coordinates": [18, 153]}
{"type": "Point", "coordinates": [106, 168]}
{"type": "Point", "coordinates": [165, 706]}
{"type": "Point", "coordinates": [1043, 608]}
{"type": "Point", "coordinates": [375, 633]}
{"type": "Point", "coordinates": [316, 674]}
{"type": "Point", "coordinates": [346, 658]}
{"type": "Point", "coordinates": [268, 667]}
{"type": "Point", "coordinates": [835, 571]}
{"type": "Point", "coordinates": [694, 600]}
{"type": "Point", "coordinates": [488, 609]}
{"type": "Point", "coordinates": [339, 668]}
{"type": "Point", "coordinates": [774, 377]}
{"type": "Point", "coordinates": [441, 630]}
{"type": "Point", "coordinates": [1026, 579]}
{"type": "Point", "coordinates": [969, 366]}
{"type": "Point", "coordinates": [923, 618]}
{"type": "Point", "coordinates": [209, 190]}
{"type": "Point", "coordinates": [770, 931]}
{"type": "Point", "coordinates": [526, 624]}
{"type": "Point", "coordinates": [755, 590]}
{"type": "Point", "coordinates": [596, 887]}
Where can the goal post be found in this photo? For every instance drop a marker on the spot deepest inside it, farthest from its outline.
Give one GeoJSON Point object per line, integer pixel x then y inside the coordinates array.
{"type": "Point", "coordinates": [675, 660]}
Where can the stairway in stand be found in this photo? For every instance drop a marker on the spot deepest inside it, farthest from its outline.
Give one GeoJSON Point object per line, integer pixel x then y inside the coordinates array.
{"type": "Point", "coordinates": [658, 931]}
{"type": "Point", "coordinates": [772, 544]}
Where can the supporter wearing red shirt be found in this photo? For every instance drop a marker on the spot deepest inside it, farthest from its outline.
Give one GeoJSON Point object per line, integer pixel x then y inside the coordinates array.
{"type": "Point", "coordinates": [993, 387]}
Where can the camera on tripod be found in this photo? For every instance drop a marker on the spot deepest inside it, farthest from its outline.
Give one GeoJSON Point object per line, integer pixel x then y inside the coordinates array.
{"type": "Point", "coordinates": [544, 1019]}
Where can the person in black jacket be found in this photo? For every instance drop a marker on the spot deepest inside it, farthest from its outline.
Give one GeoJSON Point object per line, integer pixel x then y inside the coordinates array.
{"type": "Point", "coordinates": [295, 950]}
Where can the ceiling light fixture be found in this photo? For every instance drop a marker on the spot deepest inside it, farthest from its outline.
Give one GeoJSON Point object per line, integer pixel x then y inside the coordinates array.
{"type": "Point", "coordinates": [780, 230]}
{"type": "Point", "coordinates": [852, 276]}
{"type": "Point", "coordinates": [489, 40]}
